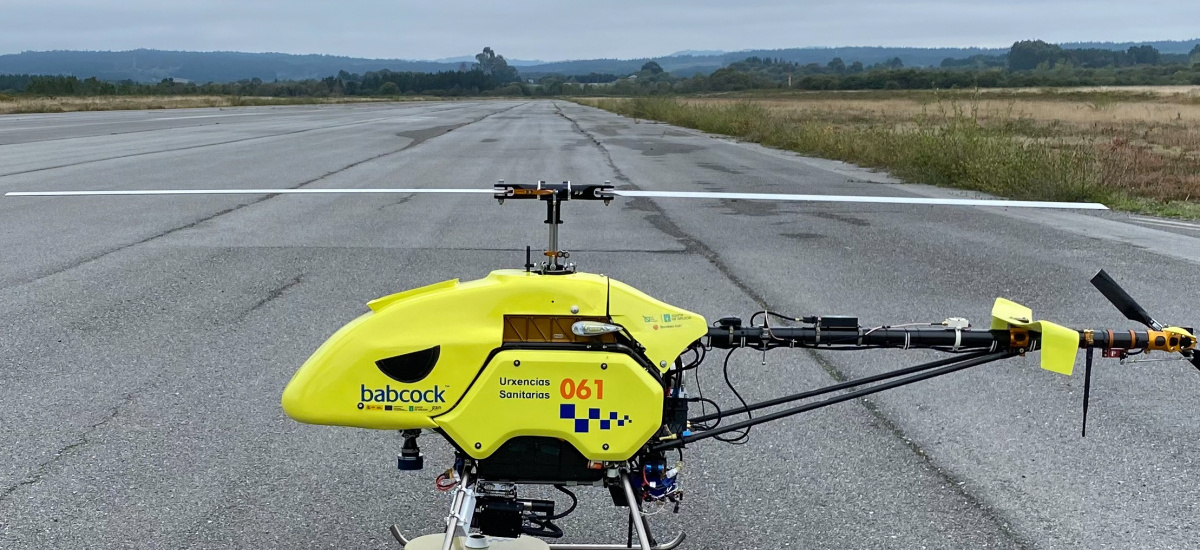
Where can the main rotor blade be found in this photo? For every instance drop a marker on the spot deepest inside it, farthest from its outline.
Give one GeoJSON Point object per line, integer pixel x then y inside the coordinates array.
{"type": "Point", "coordinates": [623, 193]}
{"type": "Point", "coordinates": [847, 198]}
{"type": "Point", "coordinates": [233, 192]}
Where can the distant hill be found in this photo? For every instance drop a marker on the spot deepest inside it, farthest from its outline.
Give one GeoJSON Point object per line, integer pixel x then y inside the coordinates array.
{"type": "Point", "coordinates": [1163, 46]}
{"type": "Point", "coordinates": [471, 59]}
{"type": "Point", "coordinates": [697, 52]}
{"type": "Point", "coordinates": [155, 65]}
{"type": "Point", "coordinates": [686, 65]}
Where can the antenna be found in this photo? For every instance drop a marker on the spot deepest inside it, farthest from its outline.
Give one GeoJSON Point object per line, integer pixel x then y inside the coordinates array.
{"type": "Point", "coordinates": [1087, 388]}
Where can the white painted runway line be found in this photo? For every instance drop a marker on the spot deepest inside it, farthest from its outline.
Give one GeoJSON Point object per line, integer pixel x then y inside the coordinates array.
{"type": "Point", "coordinates": [1166, 223]}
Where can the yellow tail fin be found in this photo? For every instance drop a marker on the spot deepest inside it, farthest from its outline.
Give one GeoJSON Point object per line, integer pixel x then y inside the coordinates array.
{"type": "Point", "coordinates": [1060, 344]}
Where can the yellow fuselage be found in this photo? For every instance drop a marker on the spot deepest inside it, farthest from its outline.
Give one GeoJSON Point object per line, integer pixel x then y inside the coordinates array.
{"type": "Point", "coordinates": [492, 359]}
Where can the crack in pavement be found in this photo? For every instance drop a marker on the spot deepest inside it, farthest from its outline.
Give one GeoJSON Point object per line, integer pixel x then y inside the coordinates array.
{"type": "Point", "coordinates": [414, 143]}
{"type": "Point", "coordinates": [271, 296]}
{"type": "Point", "coordinates": [403, 200]}
{"type": "Point", "coordinates": [659, 219]}
{"type": "Point", "coordinates": [39, 471]}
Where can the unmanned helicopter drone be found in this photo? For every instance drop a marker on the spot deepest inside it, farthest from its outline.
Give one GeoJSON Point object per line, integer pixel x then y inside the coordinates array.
{"type": "Point", "coordinates": [558, 377]}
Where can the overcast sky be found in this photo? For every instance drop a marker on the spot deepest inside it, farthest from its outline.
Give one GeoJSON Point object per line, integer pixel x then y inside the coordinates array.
{"type": "Point", "coordinates": [561, 29]}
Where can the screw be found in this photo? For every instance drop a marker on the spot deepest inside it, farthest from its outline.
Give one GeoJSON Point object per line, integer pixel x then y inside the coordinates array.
{"type": "Point", "coordinates": [574, 309]}
{"type": "Point", "coordinates": [516, 362]}
{"type": "Point", "coordinates": [479, 445]}
{"type": "Point", "coordinates": [606, 446]}
{"type": "Point", "coordinates": [603, 366]}
{"type": "Point", "coordinates": [663, 363]}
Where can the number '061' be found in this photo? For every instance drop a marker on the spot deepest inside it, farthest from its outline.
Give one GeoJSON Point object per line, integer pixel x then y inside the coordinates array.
{"type": "Point", "coordinates": [570, 389]}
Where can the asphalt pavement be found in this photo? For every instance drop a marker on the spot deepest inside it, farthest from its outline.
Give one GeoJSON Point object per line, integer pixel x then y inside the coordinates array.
{"type": "Point", "coordinates": [146, 340]}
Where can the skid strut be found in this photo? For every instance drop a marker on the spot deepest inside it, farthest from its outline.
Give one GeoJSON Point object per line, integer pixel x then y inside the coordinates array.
{"type": "Point", "coordinates": [635, 512]}
{"type": "Point", "coordinates": [458, 523]}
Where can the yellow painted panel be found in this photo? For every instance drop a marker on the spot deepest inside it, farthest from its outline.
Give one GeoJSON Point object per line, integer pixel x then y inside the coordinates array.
{"type": "Point", "coordinates": [665, 330]}
{"type": "Point", "coordinates": [605, 404]}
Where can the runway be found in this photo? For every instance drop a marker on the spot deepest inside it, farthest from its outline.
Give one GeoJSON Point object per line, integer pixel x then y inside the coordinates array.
{"type": "Point", "coordinates": [146, 340]}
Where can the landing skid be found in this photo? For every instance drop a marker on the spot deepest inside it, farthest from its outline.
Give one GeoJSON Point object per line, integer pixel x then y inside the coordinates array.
{"type": "Point", "coordinates": [435, 541]}
{"type": "Point", "coordinates": [458, 525]}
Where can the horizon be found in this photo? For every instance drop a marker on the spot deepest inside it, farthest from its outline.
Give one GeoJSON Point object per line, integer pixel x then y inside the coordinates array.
{"type": "Point", "coordinates": [678, 52]}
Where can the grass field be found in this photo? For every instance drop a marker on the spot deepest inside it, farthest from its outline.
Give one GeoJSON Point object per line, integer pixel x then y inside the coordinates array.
{"type": "Point", "coordinates": [16, 104]}
{"type": "Point", "coordinates": [1136, 150]}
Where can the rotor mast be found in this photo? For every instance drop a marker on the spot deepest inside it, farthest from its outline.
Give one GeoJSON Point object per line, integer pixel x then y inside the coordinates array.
{"type": "Point", "coordinates": [554, 194]}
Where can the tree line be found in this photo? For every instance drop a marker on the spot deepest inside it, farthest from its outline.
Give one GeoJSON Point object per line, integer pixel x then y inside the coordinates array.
{"type": "Point", "coordinates": [380, 83]}
{"type": "Point", "coordinates": [490, 74]}
{"type": "Point", "coordinates": [1031, 63]}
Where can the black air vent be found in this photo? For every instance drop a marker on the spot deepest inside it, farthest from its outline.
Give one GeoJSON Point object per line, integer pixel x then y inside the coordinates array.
{"type": "Point", "coordinates": [410, 367]}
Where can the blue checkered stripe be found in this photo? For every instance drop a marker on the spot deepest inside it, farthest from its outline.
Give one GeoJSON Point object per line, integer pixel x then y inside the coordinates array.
{"type": "Point", "coordinates": [568, 411]}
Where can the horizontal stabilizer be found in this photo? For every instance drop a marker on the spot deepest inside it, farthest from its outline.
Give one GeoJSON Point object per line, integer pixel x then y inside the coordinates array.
{"type": "Point", "coordinates": [1060, 344]}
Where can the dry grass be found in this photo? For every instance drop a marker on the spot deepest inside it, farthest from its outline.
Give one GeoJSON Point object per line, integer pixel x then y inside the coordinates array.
{"type": "Point", "coordinates": [1138, 150]}
{"type": "Point", "coordinates": [1046, 111]}
{"type": "Point", "coordinates": [13, 105]}
{"type": "Point", "coordinates": [1161, 91]}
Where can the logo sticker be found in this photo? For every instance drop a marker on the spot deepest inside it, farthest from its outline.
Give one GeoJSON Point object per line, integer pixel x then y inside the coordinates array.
{"type": "Point", "coordinates": [568, 411]}
{"type": "Point", "coordinates": [388, 395]}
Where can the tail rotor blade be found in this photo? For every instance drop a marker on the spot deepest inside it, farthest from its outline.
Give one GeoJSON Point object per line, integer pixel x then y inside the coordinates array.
{"type": "Point", "coordinates": [1124, 302]}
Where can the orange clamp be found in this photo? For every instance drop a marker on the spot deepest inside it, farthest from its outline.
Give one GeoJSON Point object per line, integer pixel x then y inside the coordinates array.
{"type": "Point", "coordinates": [1018, 337]}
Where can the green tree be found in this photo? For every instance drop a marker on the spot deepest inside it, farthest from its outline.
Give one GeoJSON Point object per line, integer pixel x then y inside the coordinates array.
{"type": "Point", "coordinates": [389, 88]}
{"type": "Point", "coordinates": [652, 67]}
{"type": "Point", "coordinates": [837, 65]}
{"type": "Point", "coordinates": [1144, 55]}
{"type": "Point", "coordinates": [1028, 54]}
{"type": "Point", "coordinates": [495, 66]}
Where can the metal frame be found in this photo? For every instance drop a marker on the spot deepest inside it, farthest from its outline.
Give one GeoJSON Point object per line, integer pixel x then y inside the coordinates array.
{"type": "Point", "coordinates": [458, 521]}
{"type": "Point", "coordinates": [462, 508]}
{"type": "Point", "coordinates": [945, 367]}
